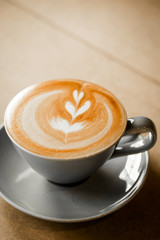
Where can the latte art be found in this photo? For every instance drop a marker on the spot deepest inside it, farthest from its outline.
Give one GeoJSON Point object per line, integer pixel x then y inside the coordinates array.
{"type": "Point", "coordinates": [65, 118]}
{"type": "Point", "coordinates": [65, 126]}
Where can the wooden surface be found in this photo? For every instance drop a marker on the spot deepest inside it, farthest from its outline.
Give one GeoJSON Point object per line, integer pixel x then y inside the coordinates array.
{"type": "Point", "coordinates": [112, 43]}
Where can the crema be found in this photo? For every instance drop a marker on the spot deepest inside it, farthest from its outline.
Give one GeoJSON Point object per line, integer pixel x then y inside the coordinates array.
{"type": "Point", "coordinates": [65, 118]}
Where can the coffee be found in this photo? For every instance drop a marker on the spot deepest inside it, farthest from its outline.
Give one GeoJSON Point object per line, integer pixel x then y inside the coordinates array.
{"type": "Point", "coordinates": [65, 119]}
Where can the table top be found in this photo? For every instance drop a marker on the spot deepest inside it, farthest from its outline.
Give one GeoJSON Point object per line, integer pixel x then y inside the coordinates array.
{"type": "Point", "coordinates": [115, 44]}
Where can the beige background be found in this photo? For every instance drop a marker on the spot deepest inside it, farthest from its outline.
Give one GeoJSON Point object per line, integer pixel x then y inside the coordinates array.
{"type": "Point", "coordinates": [112, 43]}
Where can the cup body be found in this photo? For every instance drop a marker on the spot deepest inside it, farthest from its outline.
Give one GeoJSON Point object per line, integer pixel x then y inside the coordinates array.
{"type": "Point", "coordinates": [64, 171]}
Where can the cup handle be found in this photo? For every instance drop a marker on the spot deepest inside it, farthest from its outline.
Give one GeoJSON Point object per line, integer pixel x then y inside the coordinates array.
{"type": "Point", "coordinates": [136, 126]}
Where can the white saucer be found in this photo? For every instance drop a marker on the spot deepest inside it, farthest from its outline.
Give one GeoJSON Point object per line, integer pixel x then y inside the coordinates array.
{"type": "Point", "coordinates": [113, 186]}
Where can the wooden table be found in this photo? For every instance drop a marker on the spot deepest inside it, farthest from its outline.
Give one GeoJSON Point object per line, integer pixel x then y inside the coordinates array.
{"type": "Point", "coordinates": [112, 43]}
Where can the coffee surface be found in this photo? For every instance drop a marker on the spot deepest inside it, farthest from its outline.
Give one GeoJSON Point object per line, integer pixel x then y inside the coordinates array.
{"type": "Point", "coordinates": [65, 118]}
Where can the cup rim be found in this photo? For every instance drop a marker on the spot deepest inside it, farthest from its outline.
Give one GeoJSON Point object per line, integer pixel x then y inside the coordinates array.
{"type": "Point", "coordinates": [72, 158]}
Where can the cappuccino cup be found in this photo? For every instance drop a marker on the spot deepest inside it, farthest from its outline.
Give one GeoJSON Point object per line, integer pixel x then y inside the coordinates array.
{"type": "Point", "coordinates": [67, 129]}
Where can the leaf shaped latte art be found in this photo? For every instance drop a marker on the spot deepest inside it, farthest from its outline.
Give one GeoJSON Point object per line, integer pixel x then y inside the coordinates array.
{"type": "Point", "coordinates": [77, 97]}
{"type": "Point", "coordinates": [83, 109]}
{"type": "Point", "coordinates": [63, 125]}
{"type": "Point", "coordinates": [72, 109]}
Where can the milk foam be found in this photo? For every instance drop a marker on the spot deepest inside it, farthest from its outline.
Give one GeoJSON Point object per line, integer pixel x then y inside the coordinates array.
{"type": "Point", "coordinates": [34, 131]}
{"type": "Point", "coordinates": [64, 120]}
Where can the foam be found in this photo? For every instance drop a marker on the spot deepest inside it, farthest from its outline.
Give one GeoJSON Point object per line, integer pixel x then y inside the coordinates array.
{"type": "Point", "coordinates": [65, 118]}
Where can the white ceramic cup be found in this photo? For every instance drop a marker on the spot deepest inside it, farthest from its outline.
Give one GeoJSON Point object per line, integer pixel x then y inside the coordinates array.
{"type": "Point", "coordinates": [66, 171]}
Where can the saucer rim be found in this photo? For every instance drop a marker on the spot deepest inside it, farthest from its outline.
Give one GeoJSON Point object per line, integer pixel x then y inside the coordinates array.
{"type": "Point", "coordinates": [116, 206]}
